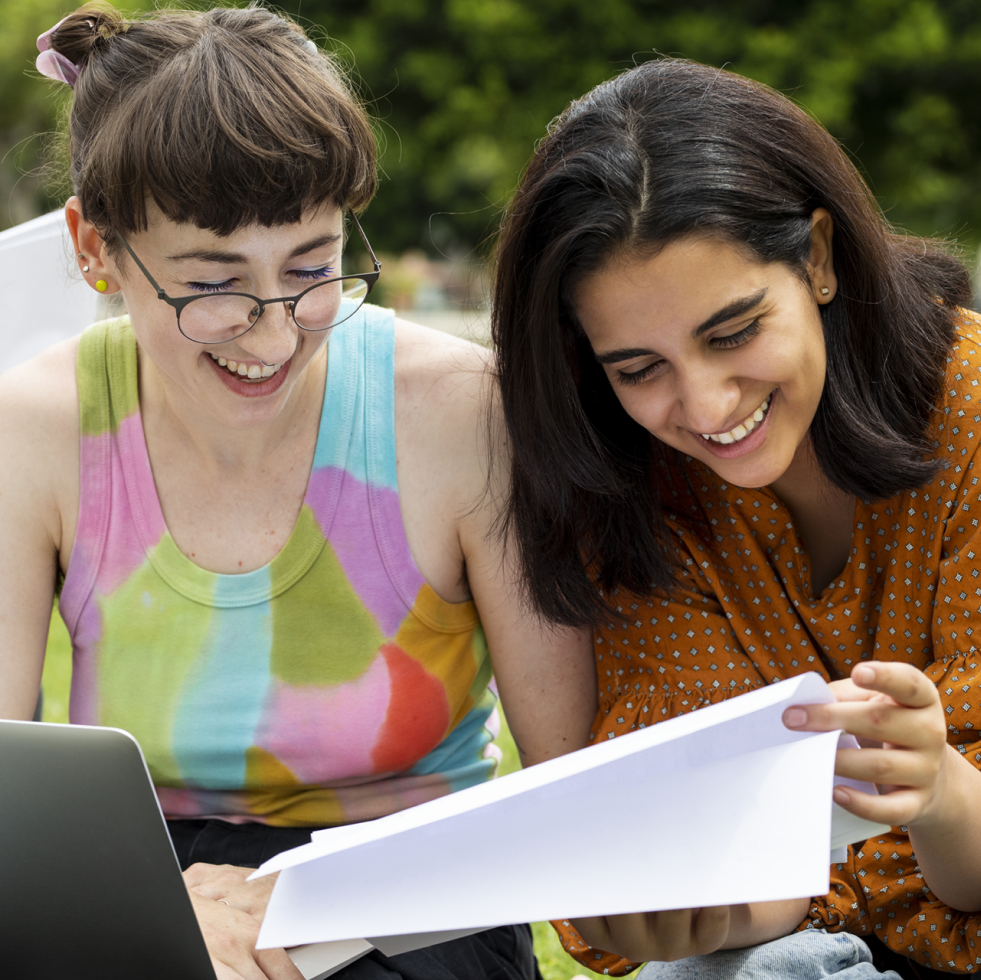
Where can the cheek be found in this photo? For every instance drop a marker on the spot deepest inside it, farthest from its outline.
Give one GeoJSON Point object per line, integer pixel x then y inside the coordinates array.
{"type": "Point", "coordinates": [646, 408]}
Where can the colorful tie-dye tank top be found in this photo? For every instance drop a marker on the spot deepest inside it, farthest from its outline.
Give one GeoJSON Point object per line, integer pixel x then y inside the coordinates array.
{"type": "Point", "coordinates": [329, 686]}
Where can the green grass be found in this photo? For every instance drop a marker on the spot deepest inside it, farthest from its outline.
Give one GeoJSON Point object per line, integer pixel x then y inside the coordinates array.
{"type": "Point", "coordinates": [56, 681]}
{"type": "Point", "coordinates": [554, 962]}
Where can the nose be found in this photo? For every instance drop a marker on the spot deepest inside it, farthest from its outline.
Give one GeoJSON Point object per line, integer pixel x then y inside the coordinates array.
{"type": "Point", "coordinates": [273, 337]}
{"type": "Point", "coordinates": [706, 397]}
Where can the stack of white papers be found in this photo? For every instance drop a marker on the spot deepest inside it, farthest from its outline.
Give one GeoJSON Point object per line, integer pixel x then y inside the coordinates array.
{"type": "Point", "coordinates": [721, 806]}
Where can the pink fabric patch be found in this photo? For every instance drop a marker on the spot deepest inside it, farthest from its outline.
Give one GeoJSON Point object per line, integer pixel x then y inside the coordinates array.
{"type": "Point", "coordinates": [83, 705]}
{"type": "Point", "coordinates": [359, 545]}
{"type": "Point", "coordinates": [326, 733]}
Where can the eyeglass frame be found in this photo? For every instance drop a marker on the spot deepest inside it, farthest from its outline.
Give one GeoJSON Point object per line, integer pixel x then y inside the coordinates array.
{"type": "Point", "coordinates": [179, 303]}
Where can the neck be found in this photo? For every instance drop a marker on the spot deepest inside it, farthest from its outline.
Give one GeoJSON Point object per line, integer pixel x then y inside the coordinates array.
{"type": "Point", "coordinates": [171, 418]}
{"type": "Point", "coordinates": [822, 512]}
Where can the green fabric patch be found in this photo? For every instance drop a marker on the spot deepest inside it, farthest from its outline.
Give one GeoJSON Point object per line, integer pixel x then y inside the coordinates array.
{"type": "Point", "coordinates": [150, 642]}
{"type": "Point", "coordinates": [302, 653]}
{"type": "Point", "coordinates": [97, 414]}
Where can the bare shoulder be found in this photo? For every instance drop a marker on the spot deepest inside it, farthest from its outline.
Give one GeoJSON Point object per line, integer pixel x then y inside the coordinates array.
{"type": "Point", "coordinates": [39, 428]}
{"type": "Point", "coordinates": [41, 395]}
{"type": "Point", "coordinates": [427, 359]}
{"type": "Point", "coordinates": [445, 394]}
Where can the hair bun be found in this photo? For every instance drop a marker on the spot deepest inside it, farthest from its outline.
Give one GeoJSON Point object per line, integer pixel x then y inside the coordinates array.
{"type": "Point", "coordinates": [80, 32]}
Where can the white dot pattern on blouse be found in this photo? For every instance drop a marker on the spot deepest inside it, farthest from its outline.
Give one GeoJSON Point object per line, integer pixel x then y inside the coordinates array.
{"type": "Point", "coordinates": [744, 617]}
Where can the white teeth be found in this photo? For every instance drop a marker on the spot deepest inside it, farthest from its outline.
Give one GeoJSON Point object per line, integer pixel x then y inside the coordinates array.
{"type": "Point", "coordinates": [743, 429]}
{"type": "Point", "coordinates": [251, 371]}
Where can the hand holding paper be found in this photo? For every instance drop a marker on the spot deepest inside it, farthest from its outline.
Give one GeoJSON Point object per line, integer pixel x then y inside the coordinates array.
{"type": "Point", "coordinates": [896, 713]}
{"type": "Point", "coordinates": [719, 807]}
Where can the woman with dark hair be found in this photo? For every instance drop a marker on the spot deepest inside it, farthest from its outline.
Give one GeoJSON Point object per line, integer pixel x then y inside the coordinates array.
{"type": "Point", "coordinates": [742, 420]}
{"type": "Point", "coordinates": [277, 575]}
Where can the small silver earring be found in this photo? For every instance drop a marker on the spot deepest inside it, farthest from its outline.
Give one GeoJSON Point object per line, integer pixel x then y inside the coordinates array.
{"type": "Point", "coordinates": [85, 268]}
{"type": "Point", "coordinates": [825, 290]}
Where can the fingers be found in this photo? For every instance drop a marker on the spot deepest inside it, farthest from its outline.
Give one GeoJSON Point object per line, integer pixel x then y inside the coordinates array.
{"type": "Point", "coordinates": [230, 935]}
{"type": "Point", "coordinates": [888, 767]}
{"type": "Point", "coordinates": [711, 928]}
{"type": "Point", "coordinates": [277, 965]}
{"type": "Point", "coordinates": [901, 707]}
{"type": "Point", "coordinates": [663, 936]}
{"type": "Point", "coordinates": [900, 807]}
{"type": "Point", "coordinates": [228, 883]}
{"type": "Point", "coordinates": [199, 874]}
{"type": "Point", "coordinates": [902, 682]}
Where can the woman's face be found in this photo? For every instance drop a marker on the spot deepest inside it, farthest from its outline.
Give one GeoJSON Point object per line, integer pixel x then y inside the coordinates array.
{"type": "Point", "coordinates": [247, 380]}
{"type": "Point", "coordinates": [718, 355]}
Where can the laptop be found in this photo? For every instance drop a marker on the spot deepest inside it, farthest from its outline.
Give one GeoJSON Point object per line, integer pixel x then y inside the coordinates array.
{"type": "Point", "coordinates": [90, 886]}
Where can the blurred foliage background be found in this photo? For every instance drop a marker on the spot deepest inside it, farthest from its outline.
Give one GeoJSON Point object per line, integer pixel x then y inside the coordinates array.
{"type": "Point", "coordinates": [461, 89]}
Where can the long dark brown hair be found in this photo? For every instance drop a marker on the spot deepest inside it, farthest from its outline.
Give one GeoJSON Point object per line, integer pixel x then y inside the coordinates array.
{"type": "Point", "coordinates": [665, 150]}
{"type": "Point", "coordinates": [222, 118]}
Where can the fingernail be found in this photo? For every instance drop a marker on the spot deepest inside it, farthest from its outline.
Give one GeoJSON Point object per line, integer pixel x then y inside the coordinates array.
{"type": "Point", "coordinates": [863, 674]}
{"type": "Point", "coordinates": [841, 796]}
{"type": "Point", "coordinates": [795, 717]}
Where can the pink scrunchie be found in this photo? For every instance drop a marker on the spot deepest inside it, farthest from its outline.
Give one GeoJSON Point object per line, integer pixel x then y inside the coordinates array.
{"type": "Point", "coordinates": [53, 64]}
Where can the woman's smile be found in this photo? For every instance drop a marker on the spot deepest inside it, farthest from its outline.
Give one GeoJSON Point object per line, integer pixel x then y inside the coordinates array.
{"type": "Point", "coordinates": [744, 438]}
{"type": "Point", "coordinates": [249, 379]}
{"type": "Point", "coordinates": [714, 353]}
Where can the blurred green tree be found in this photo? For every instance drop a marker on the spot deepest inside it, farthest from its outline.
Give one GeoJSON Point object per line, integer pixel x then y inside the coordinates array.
{"type": "Point", "coordinates": [461, 89]}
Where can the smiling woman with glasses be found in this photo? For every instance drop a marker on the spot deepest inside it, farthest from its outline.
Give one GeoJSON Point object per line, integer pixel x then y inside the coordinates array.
{"type": "Point", "coordinates": [263, 498]}
{"type": "Point", "coordinates": [223, 315]}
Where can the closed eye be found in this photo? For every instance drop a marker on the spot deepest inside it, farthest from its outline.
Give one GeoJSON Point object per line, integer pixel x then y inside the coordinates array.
{"type": "Point", "coordinates": [211, 287]}
{"type": "Point", "coordinates": [635, 377]}
{"type": "Point", "coordinates": [718, 343]}
{"type": "Point", "coordinates": [738, 338]}
{"type": "Point", "coordinates": [309, 275]}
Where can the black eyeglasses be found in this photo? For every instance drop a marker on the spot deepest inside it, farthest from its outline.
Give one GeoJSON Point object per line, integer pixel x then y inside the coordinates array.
{"type": "Point", "coordinates": [216, 318]}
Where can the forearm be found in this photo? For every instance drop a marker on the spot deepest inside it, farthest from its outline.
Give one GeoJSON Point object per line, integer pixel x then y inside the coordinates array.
{"type": "Point", "coordinates": [947, 840]}
{"type": "Point", "coordinates": [759, 922]}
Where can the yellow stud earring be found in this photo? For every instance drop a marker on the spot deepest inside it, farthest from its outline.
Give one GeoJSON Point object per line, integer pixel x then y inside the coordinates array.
{"type": "Point", "coordinates": [101, 285]}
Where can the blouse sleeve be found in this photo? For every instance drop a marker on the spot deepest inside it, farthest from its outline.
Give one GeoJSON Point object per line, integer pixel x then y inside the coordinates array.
{"type": "Point", "coordinates": [880, 890]}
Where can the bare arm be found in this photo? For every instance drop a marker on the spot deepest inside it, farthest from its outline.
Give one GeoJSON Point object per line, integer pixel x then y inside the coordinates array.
{"type": "Point", "coordinates": [38, 480]}
{"type": "Point", "coordinates": [546, 675]}
{"type": "Point", "coordinates": [452, 469]}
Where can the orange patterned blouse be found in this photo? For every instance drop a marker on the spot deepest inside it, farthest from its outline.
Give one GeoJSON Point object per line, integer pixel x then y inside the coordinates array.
{"type": "Point", "coordinates": [744, 616]}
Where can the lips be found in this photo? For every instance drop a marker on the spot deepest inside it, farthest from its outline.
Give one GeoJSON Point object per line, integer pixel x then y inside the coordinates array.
{"type": "Point", "coordinates": [744, 428]}
{"type": "Point", "coordinates": [250, 372]}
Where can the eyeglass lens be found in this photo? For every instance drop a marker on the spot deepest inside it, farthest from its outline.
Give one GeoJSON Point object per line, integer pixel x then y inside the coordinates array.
{"type": "Point", "coordinates": [223, 317]}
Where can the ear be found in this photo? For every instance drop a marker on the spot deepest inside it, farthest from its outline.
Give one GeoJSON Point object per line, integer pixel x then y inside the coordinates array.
{"type": "Point", "coordinates": [820, 267]}
{"type": "Point", "coordinates": [91, 254]}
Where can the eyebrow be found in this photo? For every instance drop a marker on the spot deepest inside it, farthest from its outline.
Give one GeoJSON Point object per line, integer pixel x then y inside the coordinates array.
{"type": "Point", "coordinates": [734, 309]}
{"type": "Point", "coordinates": [232, 258]}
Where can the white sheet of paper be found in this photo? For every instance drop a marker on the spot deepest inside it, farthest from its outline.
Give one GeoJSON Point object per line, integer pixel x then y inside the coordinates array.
{"type": "Point", "coordinates": [317, 961]}
{"type": "Point", "coordinates": [703, 809]}
{"type": "Point", "coordinates": [320, 960]}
